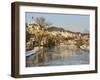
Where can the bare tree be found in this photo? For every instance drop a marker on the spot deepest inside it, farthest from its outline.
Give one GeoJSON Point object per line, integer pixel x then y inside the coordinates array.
{"type": "Point", "coordinates": [41, 21]}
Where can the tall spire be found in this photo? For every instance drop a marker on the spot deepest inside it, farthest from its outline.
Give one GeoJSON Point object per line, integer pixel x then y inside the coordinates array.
{"type": "Point", "coordinates": [32, 22]}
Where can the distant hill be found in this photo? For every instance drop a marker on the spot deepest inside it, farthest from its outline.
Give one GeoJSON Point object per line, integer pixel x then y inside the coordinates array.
{"type": "Point", "coordinates": [53, 28]}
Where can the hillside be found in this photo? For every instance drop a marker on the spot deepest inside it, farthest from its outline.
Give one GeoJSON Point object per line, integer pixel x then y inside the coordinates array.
{"type": "Point", "coordinates": [53, 28]}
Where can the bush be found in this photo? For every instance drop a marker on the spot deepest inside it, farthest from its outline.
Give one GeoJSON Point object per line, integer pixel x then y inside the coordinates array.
{"type": "Point", "coordinates": [51, 42]}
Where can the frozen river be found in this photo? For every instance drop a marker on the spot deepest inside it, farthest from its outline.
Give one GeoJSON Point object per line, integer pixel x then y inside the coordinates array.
{"type": "Point", "coordinates": [62, 55]}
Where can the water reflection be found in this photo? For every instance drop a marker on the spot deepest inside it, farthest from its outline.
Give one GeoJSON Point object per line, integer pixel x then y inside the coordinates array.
{"type": "Point", "coordinates": [61, 55]}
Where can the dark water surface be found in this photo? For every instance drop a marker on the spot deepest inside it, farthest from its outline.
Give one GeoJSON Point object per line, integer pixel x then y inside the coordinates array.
{"type": "Point", "coordinates": [61, 55]}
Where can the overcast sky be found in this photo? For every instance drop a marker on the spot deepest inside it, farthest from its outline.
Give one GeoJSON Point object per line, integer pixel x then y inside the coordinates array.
{"type": "Point", "coordinates": [72, 22]}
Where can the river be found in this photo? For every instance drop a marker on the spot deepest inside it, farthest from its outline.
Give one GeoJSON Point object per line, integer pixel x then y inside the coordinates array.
{"type": "Point", "coordinates": [62, 55]}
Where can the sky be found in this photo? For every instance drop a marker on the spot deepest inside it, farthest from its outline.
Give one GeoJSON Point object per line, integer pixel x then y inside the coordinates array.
{"type": "Point", "coordinates": [72, 22]}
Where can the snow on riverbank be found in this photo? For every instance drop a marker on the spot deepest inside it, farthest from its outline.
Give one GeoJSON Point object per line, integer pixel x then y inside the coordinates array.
{"type": "Point", "coordinates": [84, 47]}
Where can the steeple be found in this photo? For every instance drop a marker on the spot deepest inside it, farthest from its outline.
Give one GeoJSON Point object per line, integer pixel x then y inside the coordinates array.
{"type": "Point", "coordinates": [32, 22]}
